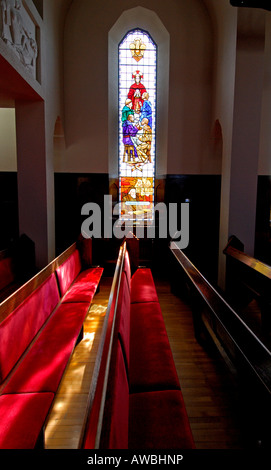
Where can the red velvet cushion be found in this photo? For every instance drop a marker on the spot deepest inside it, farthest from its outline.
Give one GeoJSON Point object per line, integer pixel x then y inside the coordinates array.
{"type": "Point", "coordinates": [158, 420]}
{"type": "Point", "coordinates": [43, 366]}
{"type": "Point", "coordinates": [127, 268]}
{"type": "Point", "coordinates": [21, 419]}
{"type": "Point", "coordinates": [151, 361]}
{"type": "Point", "coordinates": [20, 327]}
{"type": "Point", "coordinates": [6, 272]}
{"type": "Point", "coordinates": [132, 244]}
{"type": "Point", "coordinates": [68, 271]}
{"type": "Point", "coordinates": [84, 288]}
{"type": "Point", "coordinates": [123, 318]}
{"type": "Point", "coordinates": [142, 286]}
{"type": "Point", "coordinates": [116, 413]}
{"type": "Point", "coordinates": [85, 250]}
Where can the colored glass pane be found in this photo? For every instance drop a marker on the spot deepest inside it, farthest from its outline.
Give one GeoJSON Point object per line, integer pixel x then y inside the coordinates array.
{"type": "Point", "coordinates": [137, 125]}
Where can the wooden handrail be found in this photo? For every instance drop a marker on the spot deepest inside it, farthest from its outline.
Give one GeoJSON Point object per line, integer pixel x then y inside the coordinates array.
{"type": "Point", "coordinates": [16, 298]}
{"type": "Point", "coordinates": [248, 261]}
{"type": "Point", "coordinates": [252, 350]}
{"type": "Point", "coordinates": [91, 429]}
{"type": "Point", "coordinates": [248, 278]}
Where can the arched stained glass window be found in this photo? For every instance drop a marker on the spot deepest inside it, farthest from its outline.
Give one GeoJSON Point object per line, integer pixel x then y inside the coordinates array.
{"type": "Point", "coordinates": [137, 125]}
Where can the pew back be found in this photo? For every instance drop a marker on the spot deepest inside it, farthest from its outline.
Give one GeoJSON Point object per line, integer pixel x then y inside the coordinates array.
{"type": "Point", "coordinates": [92, 427]}
{"type": "Point", "coordinates": [12, 302]}
{"type": "Point", "coordinates": [40, 325]}
{"type": "Point", "coordinates": [135, 372]}
{"type": "Point", "coordinates": [23, 314]}
{"type": "Point", "coordinates": [21, 326]}
{"type": "Point", "coordinates": [247, 357]}
{"type": "Point", "coordinates": [248, 278]}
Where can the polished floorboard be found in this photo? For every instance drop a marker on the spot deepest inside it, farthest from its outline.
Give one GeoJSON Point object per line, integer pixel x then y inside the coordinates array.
{"type": "Point", "coordinates": [209, 393]}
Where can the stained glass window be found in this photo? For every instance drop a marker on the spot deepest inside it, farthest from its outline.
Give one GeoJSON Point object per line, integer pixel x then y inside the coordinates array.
{"type": "Point", "coordinates": [137, 125]}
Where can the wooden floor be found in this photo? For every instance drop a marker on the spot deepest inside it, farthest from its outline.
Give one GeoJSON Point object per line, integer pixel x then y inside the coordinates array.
{"type": "Point", "coordinates": [208, 392]}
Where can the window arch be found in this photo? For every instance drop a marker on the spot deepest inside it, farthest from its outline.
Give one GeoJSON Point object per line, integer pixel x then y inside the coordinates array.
{"type": "Point", "coordinates": [137, 124]}
{"type": "Point", "coordinates": [147, 20]}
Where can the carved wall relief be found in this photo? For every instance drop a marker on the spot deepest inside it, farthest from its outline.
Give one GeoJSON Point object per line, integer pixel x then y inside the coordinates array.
{"type": "Point", "coordinates": [18, 31]}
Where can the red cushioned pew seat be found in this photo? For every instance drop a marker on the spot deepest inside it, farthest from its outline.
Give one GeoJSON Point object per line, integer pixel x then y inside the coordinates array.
{"type": "Point", "coordinates": [151, 362]}
{"type": "Point", "coordinates": [20, 327]}
{"type": "Point", "coordinates": [76, 285]}
{"type": "Point", "coordinates": [144, 407]}
{"type": "Point", "coordinates": [122, 326]}
{"type": "Point", "coordinates": [68, 271]}
{"type": "Point", "coordinates": [127, 269]}
{"type": "Point", "coordinates": [158, 420]}
{"type": "Point", "coordinates": [84, 287]}
{"type": "Point", "coordinates": [116, 413]}
{"type": "Point", "coordinates": [43, 366]}
{"type": "Point", "coordinates": [21, 419]}
{"type": "Point", "coordinates": [37, 341]}
{"type": "Point", "coordinates": [143, 287]}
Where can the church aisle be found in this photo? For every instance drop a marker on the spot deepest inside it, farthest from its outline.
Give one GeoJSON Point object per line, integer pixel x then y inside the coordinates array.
{"type": "Point", "coordinates": [209, 393]}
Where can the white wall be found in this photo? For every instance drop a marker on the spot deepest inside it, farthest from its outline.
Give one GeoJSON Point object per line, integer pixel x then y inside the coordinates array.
{"type": "Point", "coordinates": [238, 99]}
{"type": "Point", "coordinates": [86, 84]}
{"type": "Point", "coordinates": [54, 14]}
{"type": "Point", "coordinates": [225, 33]}
{"type": "Point", "coordinates": [246, 140]}
{"type": "Point", "coordinates": [8, 154]}
{"type": "Point", "coordinates": [37, 103]}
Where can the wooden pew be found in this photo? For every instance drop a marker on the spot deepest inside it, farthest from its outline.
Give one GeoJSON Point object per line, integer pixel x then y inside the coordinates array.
{"type": "Point", "coordinates": [247, 358]}
{"type": "Point", "coordinates": [40, 325]}
{"type": "Point", "coordinates": [92, 426]}
{"type": "Point", "coordinates": [248, 278]}
{"type": "Point", "coordinates": [135, 399]}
